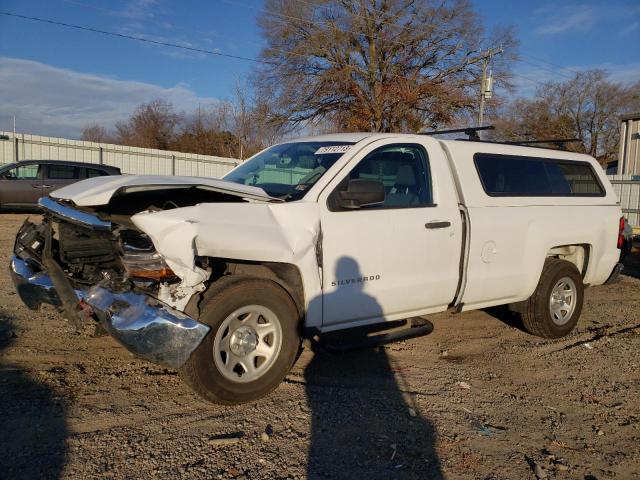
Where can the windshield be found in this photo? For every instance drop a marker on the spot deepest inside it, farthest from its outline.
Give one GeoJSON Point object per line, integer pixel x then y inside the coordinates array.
{"type": "Point", "coordinates": [288, 170]}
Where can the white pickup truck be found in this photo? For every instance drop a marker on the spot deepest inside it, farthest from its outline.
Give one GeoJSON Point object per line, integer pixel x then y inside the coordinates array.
{"type": "Point", "coordinates": [222, 279]}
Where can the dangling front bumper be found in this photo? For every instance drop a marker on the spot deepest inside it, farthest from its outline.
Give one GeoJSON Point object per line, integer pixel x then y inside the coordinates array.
{"type": "Point", "coordinates": [145, 326]}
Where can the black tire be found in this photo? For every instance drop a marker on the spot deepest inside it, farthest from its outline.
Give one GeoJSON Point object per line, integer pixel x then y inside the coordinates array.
{"type": "Point", "coordinates": [536, 313]}
{"type": "Point", "coordinates": [223, 298]}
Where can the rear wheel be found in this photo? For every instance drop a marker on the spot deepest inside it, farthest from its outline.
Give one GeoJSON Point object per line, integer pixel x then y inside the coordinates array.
{"type": "Point", "coordinates": [252, 344]}
{"type": "Point", "coordinates": [554, 308]}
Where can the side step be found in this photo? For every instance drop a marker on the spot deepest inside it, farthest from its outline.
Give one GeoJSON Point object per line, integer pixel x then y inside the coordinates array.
{"type": "Point", "coordinates": [358, 338]}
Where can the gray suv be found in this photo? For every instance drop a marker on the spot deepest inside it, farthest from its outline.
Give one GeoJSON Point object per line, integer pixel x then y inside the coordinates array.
{"type": "Point", "coordinates": [23, 183]}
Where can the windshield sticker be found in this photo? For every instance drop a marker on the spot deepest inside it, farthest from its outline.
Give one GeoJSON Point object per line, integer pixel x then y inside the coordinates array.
{"type": "Point", "coordinates": [333, 149]}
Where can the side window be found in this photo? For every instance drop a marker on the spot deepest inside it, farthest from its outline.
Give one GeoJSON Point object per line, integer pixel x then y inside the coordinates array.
{"type": "Point", "coordinates": [402, 169]}
{"type": "Point", "coordinates": [63, 172]}
{"type": "Point", "coordinates": [581, 179]}
{"type": "Point", "coordinates": [26, 172]}
{"type": "Point", "coordinates": [92, 172]}
{"type": "Point", "coordinates": [512, 176]}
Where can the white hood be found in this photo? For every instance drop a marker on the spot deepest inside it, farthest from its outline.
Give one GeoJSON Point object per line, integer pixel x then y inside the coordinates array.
{"type": "Point", "coordinates": [99, 190]}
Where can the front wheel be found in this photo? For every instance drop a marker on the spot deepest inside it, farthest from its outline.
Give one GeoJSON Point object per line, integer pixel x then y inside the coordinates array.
{"type": "Point", "coordinates": [252, 344]}
{"type": "Point", "coordinates": [554, 308]}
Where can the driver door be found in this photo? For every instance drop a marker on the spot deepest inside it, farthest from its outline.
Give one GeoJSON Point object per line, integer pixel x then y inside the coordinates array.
{"type": "Point", "coordinates": [398, 258]}
{"type": "Point", "coordinates": [21, 186]}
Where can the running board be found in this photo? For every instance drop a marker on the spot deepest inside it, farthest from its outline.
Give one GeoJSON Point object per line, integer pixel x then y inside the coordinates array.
{"type": "Point", "coordinates": [415, 327]}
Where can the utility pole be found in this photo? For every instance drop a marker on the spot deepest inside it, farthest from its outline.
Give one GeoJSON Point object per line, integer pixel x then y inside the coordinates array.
{"type": "Point", "coordinates": [486, 83]}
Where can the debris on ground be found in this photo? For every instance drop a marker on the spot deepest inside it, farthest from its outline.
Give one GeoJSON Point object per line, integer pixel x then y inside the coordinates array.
{"type": "Point", "coordinates": [225, 439]}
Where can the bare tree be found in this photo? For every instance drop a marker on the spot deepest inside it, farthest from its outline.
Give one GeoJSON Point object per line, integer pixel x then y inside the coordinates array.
{"type": "Point", "coordinates": [382, 65]}
{"type": "Point", "coordinates": [241, 114]}
{"type": "Point", "coordinates": [96, 133]}
{"type": "Point", "coordinates": [268, 127]}
{"type": "Point", "coordinates": [586, 107]}
{"type": "Point", "coordinates": [203, 132]}
{"type": "Point", "coordinates": [237, 128]}
{"type": "Point", "coordinates": [253, 121]}
{"type": "Point", "coordinates": [152, 125]}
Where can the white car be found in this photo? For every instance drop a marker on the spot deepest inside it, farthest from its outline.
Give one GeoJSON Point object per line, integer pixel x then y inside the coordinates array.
{"type": "Point", "coordinates": [222, 279]}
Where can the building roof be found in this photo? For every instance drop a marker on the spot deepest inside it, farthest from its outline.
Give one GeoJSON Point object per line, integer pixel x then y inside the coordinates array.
{"type": "Point", "coordinates": [630, 116]}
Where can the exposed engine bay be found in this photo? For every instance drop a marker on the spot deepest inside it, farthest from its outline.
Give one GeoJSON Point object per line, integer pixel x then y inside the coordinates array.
{"type": "Point", "coordinates": [120, 258]}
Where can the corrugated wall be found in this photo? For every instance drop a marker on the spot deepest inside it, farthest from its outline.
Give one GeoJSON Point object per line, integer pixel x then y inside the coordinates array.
{"type": "Point", "coordinates": [628, 191]}
{"type": "Point", "coordinates": [629, 150]}
{"type": "Point", "coordinates": [132, 160]}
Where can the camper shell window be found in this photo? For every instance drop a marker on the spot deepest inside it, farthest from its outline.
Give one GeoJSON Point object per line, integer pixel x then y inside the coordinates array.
{"type": "Point", "coordinates": [520, 176]}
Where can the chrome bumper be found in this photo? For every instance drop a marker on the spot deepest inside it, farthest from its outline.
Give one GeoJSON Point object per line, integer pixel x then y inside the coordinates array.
{"type": "Point", "coordinates": [143, 325]}
{"type": "Point", "coordinates": [33, 288]}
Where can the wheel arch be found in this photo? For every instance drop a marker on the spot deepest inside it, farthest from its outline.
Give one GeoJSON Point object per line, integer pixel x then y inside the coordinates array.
{"type": "Point", "coordinates": [578, 254]}
{"type": "Point", "coordinates": [286, 275]}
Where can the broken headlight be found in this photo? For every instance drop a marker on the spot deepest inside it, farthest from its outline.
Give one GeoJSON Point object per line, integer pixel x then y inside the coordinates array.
{"type": "Point", "coordinates": [140, 258]}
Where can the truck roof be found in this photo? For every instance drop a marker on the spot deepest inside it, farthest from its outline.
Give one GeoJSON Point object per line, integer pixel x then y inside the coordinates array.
{"type": "Point", "coordinates": [453, 144]}
{"type": "Point", "coordinates": [460, 155]}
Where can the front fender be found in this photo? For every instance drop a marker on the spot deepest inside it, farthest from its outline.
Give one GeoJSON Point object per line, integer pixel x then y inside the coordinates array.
{"type": "Point", "coordinates": [261, 232]}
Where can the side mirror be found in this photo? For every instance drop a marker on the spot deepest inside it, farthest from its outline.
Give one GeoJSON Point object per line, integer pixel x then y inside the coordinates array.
{"type": "Point", "coordinates": [361, 193]}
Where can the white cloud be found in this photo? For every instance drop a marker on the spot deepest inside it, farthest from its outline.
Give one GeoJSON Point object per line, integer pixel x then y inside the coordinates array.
{"type": "Point", "coordinates": [528, 80]}
{"type": "Point", "coordinates": [54, 101]}
{"type": "Point", "coordinates": [565, 18]}
{"type": "Point", "coordinates": [625, 73]}
{"type": "Point", "coordinates": [140, 9]}
{"type": "Point", "coordinates": [629, 28]}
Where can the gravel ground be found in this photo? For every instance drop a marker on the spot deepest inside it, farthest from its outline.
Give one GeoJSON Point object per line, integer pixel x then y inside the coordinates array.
{"type": "Point", "coordinates": [478, 398]}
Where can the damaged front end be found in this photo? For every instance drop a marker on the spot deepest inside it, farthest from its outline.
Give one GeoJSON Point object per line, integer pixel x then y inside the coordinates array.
{"type": "Point", "coordinates": [101, 267]}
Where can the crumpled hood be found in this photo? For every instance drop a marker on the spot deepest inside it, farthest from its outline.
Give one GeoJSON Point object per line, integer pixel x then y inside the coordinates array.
{"type": "Point", "coordinates": [99, 190]}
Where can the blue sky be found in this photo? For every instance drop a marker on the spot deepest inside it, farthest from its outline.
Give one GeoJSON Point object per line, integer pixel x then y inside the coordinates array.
{"type": "Point", "coordinates": [57, 80]}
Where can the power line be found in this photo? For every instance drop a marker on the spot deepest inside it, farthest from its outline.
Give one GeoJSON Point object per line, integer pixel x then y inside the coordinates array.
{"type": "Point", "coordinates": [184, 47]}
{"type": "Point", "coordinates": [117, 13]}
{"type": "Point", "coordinates": [114, 12]}
{"type": "Point", "coordinates": [549, 63]}
{"type": "Point", "coordinates": [546, 69]}
{"type": "Point", "coordinates": [189, 48]}
{"type": "Point", "coordinates": [175, 45]}
{"type": "Point", "coordinates": [134, 37]}
{"type": "Point", "coordinates": [528, 78]}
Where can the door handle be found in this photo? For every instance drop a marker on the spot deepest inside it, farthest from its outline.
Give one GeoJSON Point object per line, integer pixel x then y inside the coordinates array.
{"type": "Point", "coordinates": [437, 224]}
{"type": "Point", "coordinates": [47, 186]}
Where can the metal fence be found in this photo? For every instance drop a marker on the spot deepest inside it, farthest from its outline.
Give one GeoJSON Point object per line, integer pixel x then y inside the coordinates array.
{"type": "Point", "coordinates": [628, 189]}
{"type": "Point", "coordinates": [132, 160]}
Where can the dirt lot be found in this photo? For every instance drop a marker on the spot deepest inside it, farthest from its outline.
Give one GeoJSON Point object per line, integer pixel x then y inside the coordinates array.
{"type": "Point", "coordinates": [478, 398]}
